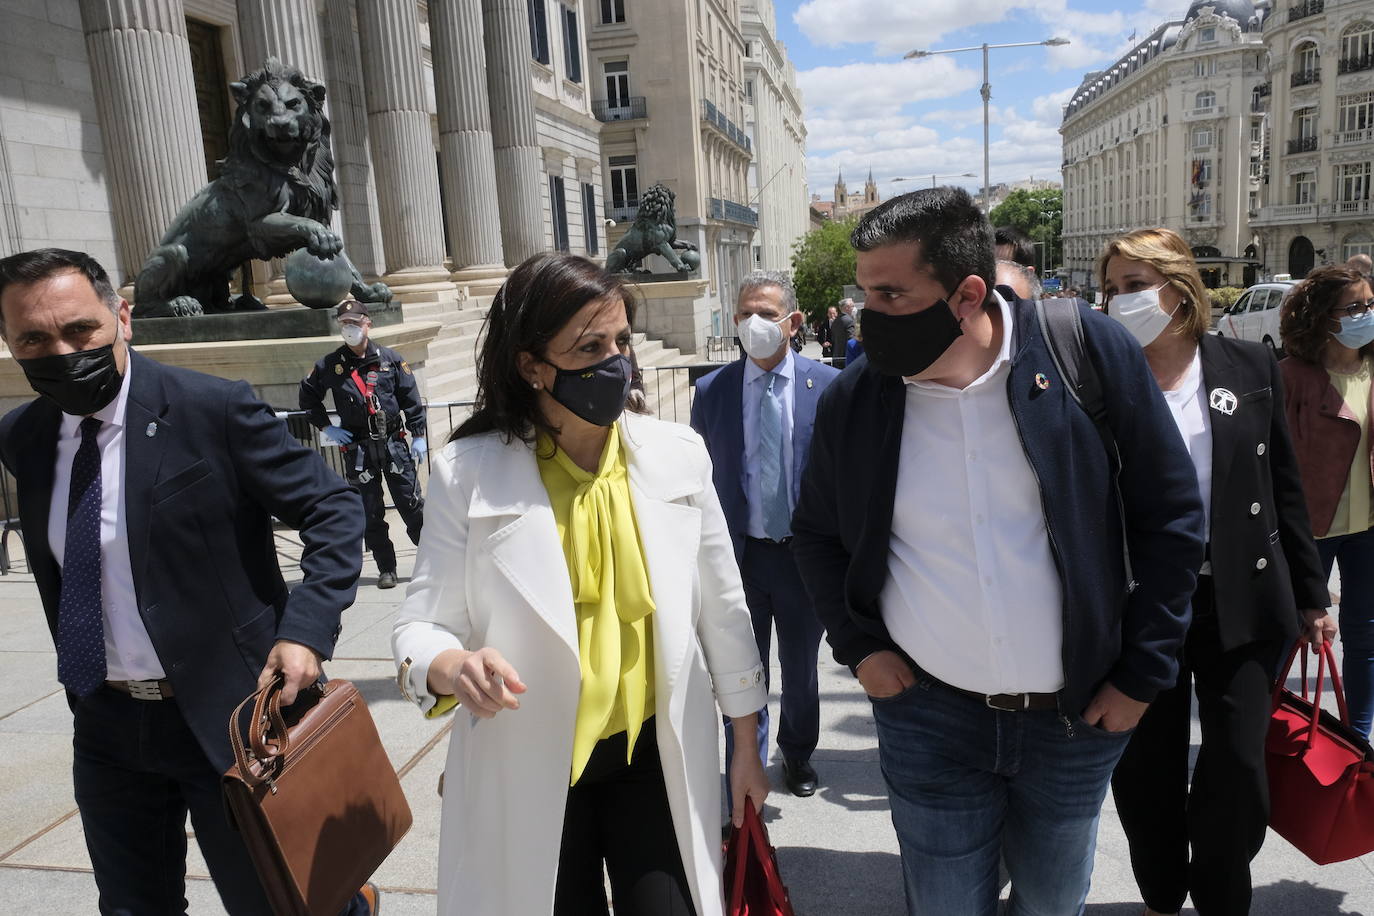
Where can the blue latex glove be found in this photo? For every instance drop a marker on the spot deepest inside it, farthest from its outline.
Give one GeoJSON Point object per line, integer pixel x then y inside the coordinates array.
{"type": "Point", "coordinates": [419, 448]}
{"type": "Point", "coordinates": [336, 435]}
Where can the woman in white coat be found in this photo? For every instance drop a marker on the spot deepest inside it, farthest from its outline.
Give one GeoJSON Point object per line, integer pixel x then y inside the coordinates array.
{"type": "Point", "coordinates": [576, 594]}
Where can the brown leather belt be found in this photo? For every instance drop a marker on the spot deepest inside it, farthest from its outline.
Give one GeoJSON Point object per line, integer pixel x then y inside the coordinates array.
{"type": "Point", "coordinates": [144, 690]}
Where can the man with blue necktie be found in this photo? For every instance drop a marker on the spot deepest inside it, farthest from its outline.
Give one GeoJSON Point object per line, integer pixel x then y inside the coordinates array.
{"type": "Point", "coordinates": [756, 415]}
{"type": "Point", "coordinates": [146, 500]}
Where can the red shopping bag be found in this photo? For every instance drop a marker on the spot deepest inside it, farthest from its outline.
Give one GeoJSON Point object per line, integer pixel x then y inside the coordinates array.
{"type": "Point", "coordinates": [1321, 771]}
{"type": "Point", "coordinates": [753, 886]}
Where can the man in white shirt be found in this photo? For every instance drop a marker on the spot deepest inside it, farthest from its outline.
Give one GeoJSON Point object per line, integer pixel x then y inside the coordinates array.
{"type": "Point", "coordinates": [968, 564]}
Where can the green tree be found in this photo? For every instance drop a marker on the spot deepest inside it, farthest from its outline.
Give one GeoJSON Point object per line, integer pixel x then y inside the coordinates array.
{"type": "Point", "coordinates": [822, 263]}
{"type": "Point", "coordinates": [1039, 214]}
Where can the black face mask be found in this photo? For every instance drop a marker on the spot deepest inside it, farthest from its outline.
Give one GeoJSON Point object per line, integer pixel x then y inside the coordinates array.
{"type": "Point", "coordinates": [906, 345]}
{"type": "Point", "coordinates": [79, 383]}
{"type": "Point", "coordinates": [595, 393]}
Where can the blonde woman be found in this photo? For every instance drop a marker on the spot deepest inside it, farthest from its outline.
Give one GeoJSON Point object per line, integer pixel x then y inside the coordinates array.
{"type": "Point", "coordinates": [1227, 400]}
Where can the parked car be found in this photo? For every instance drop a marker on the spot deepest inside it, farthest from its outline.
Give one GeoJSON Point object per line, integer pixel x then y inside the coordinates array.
{"type": "Point", "coordinates": [1255, 315]}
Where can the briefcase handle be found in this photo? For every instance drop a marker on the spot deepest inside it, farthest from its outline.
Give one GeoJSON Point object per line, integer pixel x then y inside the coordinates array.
{"type": "Point", "coordinates": [267, 733]}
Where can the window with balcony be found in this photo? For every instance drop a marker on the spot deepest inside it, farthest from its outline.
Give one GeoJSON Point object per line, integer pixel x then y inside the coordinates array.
{"type": "Point", "coordinates": [1205, 99]}
{"type": "Point", "coordinates": [1352, 185]}
{"type": "Point", "coordinates": [539, 30]}
{"type": "Point", "coordinates": [1357, 48]}
{"type": "Point", "coordinates": [1304, 188]}
{"type": "Point", "coordinates": [1355, 118]}
{"type": "Point", "coordinates": [1202, 137]}
{"type": "Point", "coordinates": [617, 73]}
{"type": "Point", "coordinates": [1306, 64]}
{"type": "Point", "coordinates": [612, 11]}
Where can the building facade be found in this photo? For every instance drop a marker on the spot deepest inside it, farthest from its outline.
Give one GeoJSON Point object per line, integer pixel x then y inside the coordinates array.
{"type": "Point", "coordinates": [773, 119]}
{"type": "Point", "coordinates": [1319, 103]}
{"type": "Point", "coordinates": [461, 129]}
{"type": "Point", "coordinates": [669, 93]}
{"type": "Point", "coordinates": [1171, 135]}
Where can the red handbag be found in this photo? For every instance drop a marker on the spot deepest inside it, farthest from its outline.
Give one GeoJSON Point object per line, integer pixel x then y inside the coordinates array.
{"type": "Point", "coordinates": [1321, 792]}
{"type": "Point", "coordinates": [753, 886]}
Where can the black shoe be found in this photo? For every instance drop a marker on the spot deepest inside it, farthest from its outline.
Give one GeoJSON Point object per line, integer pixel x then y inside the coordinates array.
{"type": "Point", "coordinates": [800, 777]}
{"type": "Point", "coordinates": [386, 580]}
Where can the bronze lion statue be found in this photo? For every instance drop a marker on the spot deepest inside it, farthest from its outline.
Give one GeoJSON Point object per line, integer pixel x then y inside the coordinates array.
{"type": "Point", "coordinates": [654, 231]}
{"type": "Point", "coordinates": [275, 194]}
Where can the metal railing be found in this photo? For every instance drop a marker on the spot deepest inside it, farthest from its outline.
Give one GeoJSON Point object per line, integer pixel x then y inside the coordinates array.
{"type": "Point", "coordinates": [1356, 64]}
{"type": "Point", "coordinates": [1306, 77]}
{"type": "Point", "coordinates": [735, 212]}
{"type": "Point", "coordinates": [716, 118]}
{"type": "Point", "coordinates": [1308, 8]}
{"type": "Point", "coordinates": [1302, 145]}
{"type": "Point", "coordinates": [624, 213]}
{"type": "Point", "coordinates": [627, 109]}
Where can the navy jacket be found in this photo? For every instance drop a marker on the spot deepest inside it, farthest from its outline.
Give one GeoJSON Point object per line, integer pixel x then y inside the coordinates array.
{"type": "Point", "coordinates": [207, 466]}
{"type": "Point", "coordinates": [1130, 637]}
{"type": "Point", "coordinates": [395, 389]}
{"type": "Point", "coordinates": [718, 417]}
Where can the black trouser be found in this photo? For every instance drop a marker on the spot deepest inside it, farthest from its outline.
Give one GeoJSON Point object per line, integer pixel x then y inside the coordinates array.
{"type": "Point", "coordinates": [405, 493]}
{"type": "Point", "coordinates": [1225, 814]}
{"type": "Point", "coordinates": [619, 815]}
{"type": "Point", "coordinates": [137, 770]}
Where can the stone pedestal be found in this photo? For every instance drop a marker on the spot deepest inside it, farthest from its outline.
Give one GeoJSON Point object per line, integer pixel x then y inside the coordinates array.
{"type": "Point", "coordinates": [678, 312]}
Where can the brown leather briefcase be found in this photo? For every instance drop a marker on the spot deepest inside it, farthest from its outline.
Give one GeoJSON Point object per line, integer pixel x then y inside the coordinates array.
{"type": "Point", "coordinates": [316, 800]}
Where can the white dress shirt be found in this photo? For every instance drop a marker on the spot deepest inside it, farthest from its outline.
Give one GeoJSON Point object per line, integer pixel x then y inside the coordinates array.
{"type": "Point", "coordinates": [1192, 414]}
{"type": "Point", "coordinates": [972, 593]}
{"type": "Point", "coordinates": [755, 384]}
{"type": "Point", "coordinates": [129, 652]}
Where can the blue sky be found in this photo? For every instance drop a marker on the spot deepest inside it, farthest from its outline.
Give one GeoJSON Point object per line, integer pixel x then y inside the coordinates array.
{"type": "Point", "coordinates": [867, 108]}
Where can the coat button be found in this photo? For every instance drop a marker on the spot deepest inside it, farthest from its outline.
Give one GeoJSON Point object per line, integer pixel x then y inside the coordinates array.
{"type": "Point", "coordinates": [1259, 449]}
{"type": "Point", "coordinates": [1254, 508]}
{"type": "Point", "coordinates": [1261, 563]}
{"type": "Point", "coordinates": [744, 682]}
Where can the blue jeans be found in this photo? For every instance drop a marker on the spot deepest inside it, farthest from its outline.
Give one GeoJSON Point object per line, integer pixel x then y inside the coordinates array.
{"type": "Point", "coordinates": [1355, 554]}
{"type": "Point", "coordinates": [968, 784]}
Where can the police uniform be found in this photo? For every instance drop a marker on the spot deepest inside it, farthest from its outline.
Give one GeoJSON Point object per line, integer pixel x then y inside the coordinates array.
{"type": "Point", "coordinates": [370, 394]}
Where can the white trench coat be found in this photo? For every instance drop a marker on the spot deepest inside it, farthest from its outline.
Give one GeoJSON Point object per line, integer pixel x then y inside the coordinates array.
{"type": "Point", "coordinates": [491, 572]}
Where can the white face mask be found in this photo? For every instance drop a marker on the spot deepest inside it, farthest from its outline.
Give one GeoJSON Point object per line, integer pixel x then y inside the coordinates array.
{"type": "Point", "coordinates": [760, 337]}
{"type": "Point", "coordinates": [1141, 314]}
{"type": "Point", "coordinates": [352, 334]}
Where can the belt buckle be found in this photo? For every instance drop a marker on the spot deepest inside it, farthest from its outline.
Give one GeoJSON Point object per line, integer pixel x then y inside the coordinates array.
{"type": "Point", "coordinates": [144, 690]}
{"type": "Point", "coordinates": [1025, 702]}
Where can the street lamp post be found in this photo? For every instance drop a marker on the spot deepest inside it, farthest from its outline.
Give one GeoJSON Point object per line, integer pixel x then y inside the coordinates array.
{"type": "Point", "coordinates": [933, 178]}
{"type": "Point", "coordinates": [986, 92]}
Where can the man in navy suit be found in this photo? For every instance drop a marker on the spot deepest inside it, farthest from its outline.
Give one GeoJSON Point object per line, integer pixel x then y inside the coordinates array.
{"type": "Point", "coordinates": [756, 416]}
{"type": "Point", "coordinates": [146, 499]}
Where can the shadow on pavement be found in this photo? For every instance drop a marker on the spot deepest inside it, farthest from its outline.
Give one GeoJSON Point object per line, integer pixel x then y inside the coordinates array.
{"type": "Point", "coordinates": [822, 882]}
{"type": "Point", "coordinates": [1285, 897]}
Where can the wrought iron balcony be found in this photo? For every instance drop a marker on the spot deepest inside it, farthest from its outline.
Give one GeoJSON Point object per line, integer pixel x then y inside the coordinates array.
{"type": "Point", "coordinates": [1263, 90]}
{"type": "Point", "coordinates": [1306, 77]}
{"type": "Point", "coordinates": [1356, 64]}
{"type": "Point", "coordinates": [623, 211]}
{"type": "Point", "coordinates": [1308, 8]}
{"type": "Point", "coordinates": [627, 109]}
{"type": "Point", "coordinates": [1302, 145]}
{"type": "Point", "coordinates": [735, 212]}
{"type": "Point", "coordinates": [716, 118]}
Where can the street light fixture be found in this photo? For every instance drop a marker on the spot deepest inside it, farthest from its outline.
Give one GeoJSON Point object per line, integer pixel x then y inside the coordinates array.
{"type": "Point", "coordinates": [934, 177]}
{"type": "Point", "coordinates": [986, 91]}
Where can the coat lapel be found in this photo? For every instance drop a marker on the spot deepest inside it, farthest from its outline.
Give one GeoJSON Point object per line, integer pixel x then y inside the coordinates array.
{"type": "Point", "coordinates": [1219, 372]}
{"type": "Point", "coordinates": [146, 433]}
{"type": "Point", "coordinates": [731, 406]}
{"type": "Point", "coordinates": [526, 550]}
{"type": "Point", "coordinates": [804, 397]}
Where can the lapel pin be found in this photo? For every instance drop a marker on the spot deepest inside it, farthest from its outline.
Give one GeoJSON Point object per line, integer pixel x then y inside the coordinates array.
{"type": "Point", "coordinates": [1221, 399]}
{"type": "Point", "coordinates": [1041, 381]}
{"type": "Point", "coordinates": [151, 431]}
{"type": "Point", "coordinates": [810, 383]}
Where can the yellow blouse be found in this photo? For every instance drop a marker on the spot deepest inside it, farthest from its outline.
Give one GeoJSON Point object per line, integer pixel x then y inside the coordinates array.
{"type": "Point", "coordinates": [610, 584]}
{"type": "Point", "coordinates": [1353, 511]}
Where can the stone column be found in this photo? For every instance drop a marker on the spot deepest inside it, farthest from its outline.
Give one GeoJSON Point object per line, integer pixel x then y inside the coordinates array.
{"type": "Point", "coordinates": [288, 30]}
{"type": "Point", "coordinates": [506, 32]}
{"type": "Point", "coordinates": [465, 145]}
{"type": "Point", "coordinates": [149, 126]}
{"type": "Point", "coordinates": [362, 230]}
{"type": "Point", "coordinates": [403, 151]}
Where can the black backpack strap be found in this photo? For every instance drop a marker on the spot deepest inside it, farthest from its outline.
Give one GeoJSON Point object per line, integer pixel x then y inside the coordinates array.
{"type": "Point", "coordinates": [1062, 326]}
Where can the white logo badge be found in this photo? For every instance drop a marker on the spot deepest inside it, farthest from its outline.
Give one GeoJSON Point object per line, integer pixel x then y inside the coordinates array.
{"type": "Point", "coordinates": [1223, 400]}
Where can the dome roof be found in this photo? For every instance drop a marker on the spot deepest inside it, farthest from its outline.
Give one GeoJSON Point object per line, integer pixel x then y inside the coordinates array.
{"type": "Point", "coordinates": [1242, 11]}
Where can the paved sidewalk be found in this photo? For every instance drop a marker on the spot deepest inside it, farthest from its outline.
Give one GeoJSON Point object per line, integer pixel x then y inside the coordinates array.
{"type": "Point", "coordinates": [837, 850]}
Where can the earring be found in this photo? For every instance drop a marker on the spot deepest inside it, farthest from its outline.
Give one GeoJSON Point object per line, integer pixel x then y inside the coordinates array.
{"type": "Point", "coordinates": [535, 385]}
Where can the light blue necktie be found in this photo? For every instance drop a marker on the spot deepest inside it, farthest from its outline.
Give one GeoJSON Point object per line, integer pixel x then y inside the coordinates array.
{"type": "Point", "coordinates": [777, 513]}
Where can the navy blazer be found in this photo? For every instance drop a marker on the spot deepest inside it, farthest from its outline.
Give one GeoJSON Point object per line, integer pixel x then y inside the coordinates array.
{"type": "Point", "coordinates": [207, 466]}
{"type": "Point", "coordinates": [718, 417]}
{"type": "Point", "coordinates": [843, 523]}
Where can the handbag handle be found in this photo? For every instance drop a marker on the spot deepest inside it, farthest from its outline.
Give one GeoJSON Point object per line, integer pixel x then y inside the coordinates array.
{"type": "Point", "coordinates": [752, 833]}
{"type": "Point", "coordinates": [267, 732]}
{"type": "Point", "coordinates": [1326, 660]}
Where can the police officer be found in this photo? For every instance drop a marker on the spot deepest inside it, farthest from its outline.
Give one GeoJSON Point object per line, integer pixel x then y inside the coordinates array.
{"type": "Point", "coordinates": [372, 386]}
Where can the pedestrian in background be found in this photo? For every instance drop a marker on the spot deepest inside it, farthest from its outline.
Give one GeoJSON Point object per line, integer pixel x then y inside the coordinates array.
{"type": "Point", "coordinates": [147, 495]}
{"type": "Point", "coordinates": [755, 416]}
{"type": "Point", "coordinates": [576, 593]}
{"type": "Point", "coordinates": [1226, 397]}
{"type": "Point", "coordinates": [1327, 328]}
{"type": "Point", "coordinates": [823, 331]}
{"type": "Point", "coordinates": [377, 399]}
{"type": "Point", "coordinates": [842, 327]}
{"type": "Point", "coordinates": [954, 536]}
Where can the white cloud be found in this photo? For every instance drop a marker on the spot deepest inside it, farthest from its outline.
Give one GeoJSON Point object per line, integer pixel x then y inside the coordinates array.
{"type": "Point", "coordinates": [870, 90]}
